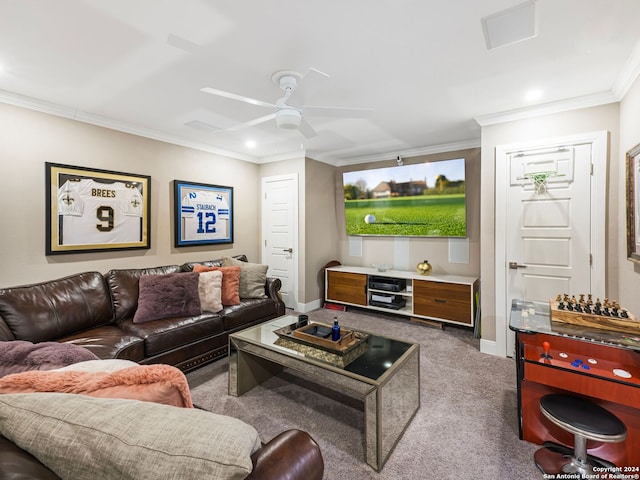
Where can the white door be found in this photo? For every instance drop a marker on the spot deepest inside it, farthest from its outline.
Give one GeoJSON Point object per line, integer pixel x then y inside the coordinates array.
{"type": "Point", "coordinates": [280, 233]}
{"type": "Point", "coordinates": [552, 241]}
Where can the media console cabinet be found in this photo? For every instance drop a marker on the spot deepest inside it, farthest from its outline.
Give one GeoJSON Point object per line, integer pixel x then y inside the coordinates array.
{"type": "Point", "coordinates": [441, 298]}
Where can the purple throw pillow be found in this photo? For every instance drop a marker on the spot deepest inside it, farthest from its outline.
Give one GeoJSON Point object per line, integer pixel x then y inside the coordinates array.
{"type": "Point", "coordinates": [165, 296]}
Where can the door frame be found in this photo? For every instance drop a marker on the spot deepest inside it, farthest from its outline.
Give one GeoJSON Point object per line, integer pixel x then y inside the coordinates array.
{"type": "Point", "coordinates": [600, 144]}
{"type": "Point", "coordinates": [263, 224]}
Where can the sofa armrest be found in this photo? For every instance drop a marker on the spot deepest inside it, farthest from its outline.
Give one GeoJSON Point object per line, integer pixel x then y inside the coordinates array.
{"type": "Point", "coordinates": [291, 455]}
{"type": "Point", "coordinates": [16, 464]}
{"type": "Point", "coordinates": [272, 290]}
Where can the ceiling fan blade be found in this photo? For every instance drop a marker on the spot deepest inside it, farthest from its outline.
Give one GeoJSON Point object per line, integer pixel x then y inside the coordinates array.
{"type": "Point", "coordinates": [308, 84]}
{"type": "Point", "coordinates": [307, 130]}
{"type": "Point", "coordinates": [339, 112]}
{"type": "Point", "coordinates": [233, 96]}
{"type": "Point", "coordinates": [252, 123]}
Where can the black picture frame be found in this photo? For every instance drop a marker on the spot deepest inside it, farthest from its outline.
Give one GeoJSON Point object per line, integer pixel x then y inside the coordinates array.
{"type": "Point", "coordinates": [203, 214]}
{"type": "Point", "coordinates": [94, 210]}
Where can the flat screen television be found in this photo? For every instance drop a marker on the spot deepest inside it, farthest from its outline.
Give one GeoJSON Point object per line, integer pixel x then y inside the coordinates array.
{"type": "Point", "coordinates": [423, 200]}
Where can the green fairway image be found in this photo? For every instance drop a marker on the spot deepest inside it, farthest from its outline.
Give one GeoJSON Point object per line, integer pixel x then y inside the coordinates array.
{"type": "Point", "coordinates": [423, 215]}
{"type": "Point", "coordinates": [424, 199]}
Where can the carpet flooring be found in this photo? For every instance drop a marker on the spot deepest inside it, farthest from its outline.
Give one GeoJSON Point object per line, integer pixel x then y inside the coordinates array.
{"type": "Point", "coordinates": [466, 427]}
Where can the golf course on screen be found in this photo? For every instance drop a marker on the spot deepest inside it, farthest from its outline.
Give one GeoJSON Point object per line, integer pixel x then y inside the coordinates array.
{"type": "Point", "coordinates": [425, 199]}
{"type": "Point", "coordinates": [421, 215]}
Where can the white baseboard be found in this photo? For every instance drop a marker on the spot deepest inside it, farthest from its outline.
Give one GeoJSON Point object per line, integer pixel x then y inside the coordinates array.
{"type": "Point", "coordinates": [489, 347]}
{"type": "Point", "coordinates": [308, 307]}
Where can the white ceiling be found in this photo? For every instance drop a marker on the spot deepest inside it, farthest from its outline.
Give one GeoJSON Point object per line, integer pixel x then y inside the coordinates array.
{"type": "Point", "coordinates": [423, 66]}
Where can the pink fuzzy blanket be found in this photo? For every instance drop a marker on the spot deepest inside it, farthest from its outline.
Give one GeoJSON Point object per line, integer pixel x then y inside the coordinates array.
{"type": "Point", "coordinates": [153, 383]}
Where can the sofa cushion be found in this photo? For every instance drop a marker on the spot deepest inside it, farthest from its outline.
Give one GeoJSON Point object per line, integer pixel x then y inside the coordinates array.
{"type": "Point", "coordinates": [46, 311]}
{"type": "Point", "coordinates": [251, 311]}
{"type": "Point", "coordinates": [124, 287]}
{"type": "Point", "coordinates": [253, 277]}
{"type": "Point", "coordinates": [230, 282]}
{"type": "Point", "coordinates": [81, 437]}
{"type": "Point", "coordinates": [151, 383]}
{"type": "Point", "coordinates": [168, 334]}
{"type": "Point", "coordinates": [210, 291]}
{"type": "Point", "coordinates": [108, 342]}
{"type": "Point", "coordinates": [21, 356]}
{"type": "Point", "coordinates": [166, 296]}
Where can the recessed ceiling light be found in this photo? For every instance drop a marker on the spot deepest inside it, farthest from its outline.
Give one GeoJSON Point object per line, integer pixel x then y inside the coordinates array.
{"type": "Point", "coordinates": [250, 144]}
{"type": "Point", "coordinates": [533, 95]}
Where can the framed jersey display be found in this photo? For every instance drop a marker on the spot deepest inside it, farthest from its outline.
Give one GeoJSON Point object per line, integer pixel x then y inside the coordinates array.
{"type": "Point", "coordinates": [93, 210]}
{"type": "Point", "coordinates": [203, 214]}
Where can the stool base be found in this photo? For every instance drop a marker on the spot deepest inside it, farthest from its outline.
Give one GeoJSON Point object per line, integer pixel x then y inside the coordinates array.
{"type": "Point", "coordinates": [554, 458]}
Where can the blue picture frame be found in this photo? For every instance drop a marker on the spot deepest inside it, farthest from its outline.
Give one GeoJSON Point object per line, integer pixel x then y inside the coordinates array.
{"type": "Point", "coordinates": [203, 214]}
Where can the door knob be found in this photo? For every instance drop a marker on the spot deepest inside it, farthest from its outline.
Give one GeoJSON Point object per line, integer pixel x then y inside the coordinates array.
{"type": "Point", "coordinates": [516, 265]}
{"type": "Point", "coordinates": [288, 250]}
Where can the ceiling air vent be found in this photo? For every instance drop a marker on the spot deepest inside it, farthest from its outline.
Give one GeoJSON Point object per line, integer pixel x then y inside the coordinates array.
{"type": "Point", "coordinates": [510, 26]}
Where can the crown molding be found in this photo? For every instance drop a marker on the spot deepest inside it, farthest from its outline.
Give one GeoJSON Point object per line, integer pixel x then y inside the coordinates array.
{"type": "Point", "coordinates": [284, 156]}
{"type": "Point", "coordinates": [37, 105]}
{"type": "Point", "coordinates": [414, 152]}
{"type": "Point", "coordinates": [547, 109]}
{"type": "Point", "coordinates": [80, 116]}
{"type": "Point", "coordinates": [628, 74]}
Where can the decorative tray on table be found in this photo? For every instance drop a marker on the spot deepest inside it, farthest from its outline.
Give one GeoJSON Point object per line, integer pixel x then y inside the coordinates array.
{"type": "Point", "coordinates": [314, 340]}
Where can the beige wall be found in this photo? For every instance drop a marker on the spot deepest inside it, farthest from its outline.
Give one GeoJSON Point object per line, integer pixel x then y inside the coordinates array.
{"type": "Point", "coordinates": [29, 139]}
{"type": "Point", "coordinates": [321, 234]}
{"type": "Point", "coordinates": [563, 124]}
{"type": "Point", "coordinates": [628, 273]}
{"type": "Point", "coordinates": [436, 250]}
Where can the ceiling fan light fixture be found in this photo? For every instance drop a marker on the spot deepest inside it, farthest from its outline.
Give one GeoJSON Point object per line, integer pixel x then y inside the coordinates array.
{"type": "Point", "coordinates": [288, 118]}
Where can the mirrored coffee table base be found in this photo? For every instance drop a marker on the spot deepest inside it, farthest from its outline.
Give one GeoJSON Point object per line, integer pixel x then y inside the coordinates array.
{"type": "Point", "coordinates": [386, 377]}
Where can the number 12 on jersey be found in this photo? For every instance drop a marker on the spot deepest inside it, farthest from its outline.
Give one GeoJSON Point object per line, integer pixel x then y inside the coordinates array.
{"type": "Point", "coordinates": [206, 222]}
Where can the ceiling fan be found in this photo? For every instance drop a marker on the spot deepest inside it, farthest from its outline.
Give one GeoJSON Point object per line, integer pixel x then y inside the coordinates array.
{"type": "Point", "coordinates": [289, 111]}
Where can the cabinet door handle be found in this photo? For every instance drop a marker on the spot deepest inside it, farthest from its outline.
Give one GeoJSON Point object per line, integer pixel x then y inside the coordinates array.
{"type": "Point", "coordinates": [439, 300]}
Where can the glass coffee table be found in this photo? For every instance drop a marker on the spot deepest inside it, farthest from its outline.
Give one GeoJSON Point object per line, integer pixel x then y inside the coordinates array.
{"type": "Point", "coordinates": [386, 376]}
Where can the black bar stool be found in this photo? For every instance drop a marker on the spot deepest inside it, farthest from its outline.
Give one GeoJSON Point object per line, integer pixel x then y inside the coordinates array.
{"type": "Point", "coordinates": [587, 421]}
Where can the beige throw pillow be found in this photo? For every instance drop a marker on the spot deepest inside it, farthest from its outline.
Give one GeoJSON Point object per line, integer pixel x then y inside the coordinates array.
{"type": "Point", "coordinates": [230, 282]}
{"type": "Point", "coordinates": [86, 438]}
{"type": "Point", "coordinates": [210, 291]}
{"type": "Point", "coordinates": [253, 277]}
{"type": "Point", "coordinates": [102, 365]}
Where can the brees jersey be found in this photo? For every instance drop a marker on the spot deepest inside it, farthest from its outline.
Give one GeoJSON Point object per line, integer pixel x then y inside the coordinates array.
{"type": "Point", "coordinates": [91, 212]}
{"type": "Point", "coordinates": [205, 216]}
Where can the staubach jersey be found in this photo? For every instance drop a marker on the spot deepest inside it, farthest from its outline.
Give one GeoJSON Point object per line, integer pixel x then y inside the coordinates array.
{"type": "Point", "coordinates": [205, 216]}
{"type": "Point", "coordinates": [91, 212]}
